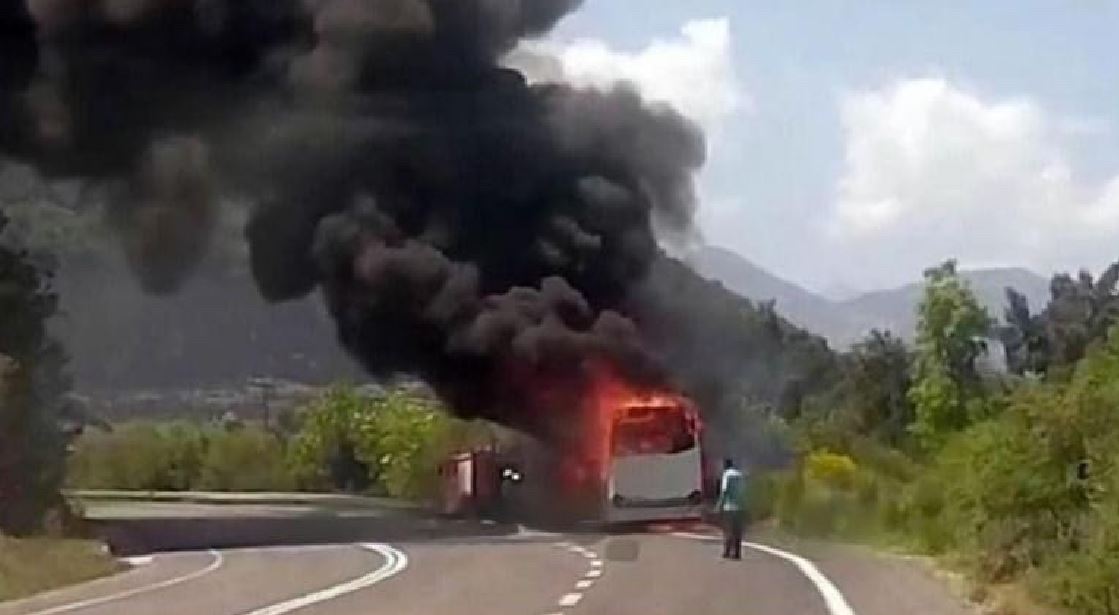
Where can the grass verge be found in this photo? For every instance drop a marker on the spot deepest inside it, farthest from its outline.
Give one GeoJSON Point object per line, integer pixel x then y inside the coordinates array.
{"type": "Point", "coordinates": [30, 566]}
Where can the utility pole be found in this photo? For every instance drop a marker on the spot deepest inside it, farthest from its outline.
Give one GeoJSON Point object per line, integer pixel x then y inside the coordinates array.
{"type": "Point", "coordinates": [265, 385]}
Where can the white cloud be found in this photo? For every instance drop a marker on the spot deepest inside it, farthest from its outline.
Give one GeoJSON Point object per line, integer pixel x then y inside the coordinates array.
{"type": "Point", "coordinates": [933, 171]}
{"type": "Point", "coordinates": [693, 72]}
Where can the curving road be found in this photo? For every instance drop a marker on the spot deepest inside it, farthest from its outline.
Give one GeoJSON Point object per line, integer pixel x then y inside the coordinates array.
{"type": "Point", "coordinates": [437, 568]}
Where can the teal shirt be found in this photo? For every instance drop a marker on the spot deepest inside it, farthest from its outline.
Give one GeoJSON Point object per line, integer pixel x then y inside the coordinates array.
{"type": "Point", "coordinates": [732, 488]}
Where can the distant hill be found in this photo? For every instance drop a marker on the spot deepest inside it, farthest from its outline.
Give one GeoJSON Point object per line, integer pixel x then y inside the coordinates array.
{"type": "Point", "coordinates": [801, 306]}
{"type": "Point", "coordinates": [894, 309]}
{"type": "Point", "coordinates": [844, 322]}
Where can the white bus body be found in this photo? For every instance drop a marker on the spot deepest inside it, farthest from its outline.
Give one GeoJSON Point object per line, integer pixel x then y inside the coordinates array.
{"type": "Point", "coordinates": [655, 487]}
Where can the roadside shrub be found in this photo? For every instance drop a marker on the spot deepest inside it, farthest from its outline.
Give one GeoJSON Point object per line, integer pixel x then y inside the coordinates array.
{"type": "Point", "coordinates": [248, 459]}
{"type": "Point", "coordinates": [396, 440]}
{"type": "Point", "coordinates": [832, 470]}
{"type": "Point", "coordinates": [134, 456]}
{"type": "Point", "coordinates": [920, 514]}
{"type": "Point", "coordinates": [828, 496]}
{"type": "Point", "coordinates": [178, 456]}
{"type": "Point", "coordinates": [762, 491]}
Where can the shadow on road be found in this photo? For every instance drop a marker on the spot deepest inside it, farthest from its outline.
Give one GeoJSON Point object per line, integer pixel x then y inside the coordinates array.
{"type": "Point", "coordinates": [127, 537]}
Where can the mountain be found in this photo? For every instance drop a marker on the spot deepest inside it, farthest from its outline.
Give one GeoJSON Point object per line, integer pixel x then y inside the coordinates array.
{"type": "Point", "coordinates": [847, 321]}
{"type": "Point", "coordinates": [895, 309]}
{"type": "Point", "coordinates": [803, 307]}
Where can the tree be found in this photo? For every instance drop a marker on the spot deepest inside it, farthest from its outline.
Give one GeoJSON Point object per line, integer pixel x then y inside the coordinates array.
{"type": "Point", "coordinates": [951, 325]}
{"type": "Point", "coordinates": [879, 375]}
{"type": "Point", "coordinates": [1080, 312]}
{"type": "Point", "coordinates": [32, 384]}
{"type": "Point", "coordinates": [395, 440]}
{"type": "Point", "coordinates": [1024, 337]}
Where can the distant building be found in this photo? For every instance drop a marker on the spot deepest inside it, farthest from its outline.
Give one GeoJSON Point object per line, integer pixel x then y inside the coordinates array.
{"type": "Point", "coordinates": [991, 361]}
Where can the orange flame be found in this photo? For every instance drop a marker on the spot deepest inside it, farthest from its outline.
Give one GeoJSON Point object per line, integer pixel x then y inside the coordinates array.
{"type": "Point", "coordinates": [612, 401]}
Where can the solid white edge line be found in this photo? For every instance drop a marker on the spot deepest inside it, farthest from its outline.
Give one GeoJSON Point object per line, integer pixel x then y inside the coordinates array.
{"type": "Point", "coordinates": [395, 561]}
{"type": "Point", "coordinates": [571, 599]}
{"type": "Point", "coordinates": [219, 560]}
{"type": "Point", "coordinates": [833, 598]}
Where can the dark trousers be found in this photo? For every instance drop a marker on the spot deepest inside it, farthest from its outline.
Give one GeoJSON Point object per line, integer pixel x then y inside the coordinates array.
{"type": "Point", "coordinates": [732, 534]}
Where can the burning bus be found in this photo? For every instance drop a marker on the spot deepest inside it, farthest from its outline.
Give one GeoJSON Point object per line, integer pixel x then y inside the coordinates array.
{"type": "Point", "coordinates": [635, 456]}
{"type": "Point", "coordinates": [645, 454]}
{"type": "Point", "coordinates": [657, 469]}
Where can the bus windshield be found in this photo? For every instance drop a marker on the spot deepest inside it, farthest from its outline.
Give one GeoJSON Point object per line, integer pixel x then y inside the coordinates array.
{"type": "Point", "coordinates": [651, 430]}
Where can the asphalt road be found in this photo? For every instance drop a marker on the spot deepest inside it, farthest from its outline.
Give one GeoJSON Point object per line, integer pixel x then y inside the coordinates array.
{"type": "Point", "coordinates": [440, 568]}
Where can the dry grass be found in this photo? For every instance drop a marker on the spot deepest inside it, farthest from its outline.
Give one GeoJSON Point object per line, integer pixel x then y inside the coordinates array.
{"type": "Point", "coordinates": [30, 566]}
{"type": "Point", "coordinates": [1013, 599]}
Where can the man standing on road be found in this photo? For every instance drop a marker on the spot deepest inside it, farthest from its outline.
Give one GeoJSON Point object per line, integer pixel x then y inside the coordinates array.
{"type": "Point", "coordinates": [729, 508]}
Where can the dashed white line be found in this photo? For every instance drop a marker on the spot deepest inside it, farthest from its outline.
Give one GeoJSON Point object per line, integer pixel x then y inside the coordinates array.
{"type": "Point", "coordinates": [594, 574]}
{"type": "Point", "coordinates": [833, 598]}
{"type": "Point", "coordinates": [217, 562]}
{"type": "Point", "coordinates": [569, 600]}
{"type": "Point", "coordinates": [589, 555]}
{"type": "Point", "coordinates": [596, 563]}
{"type": "Point", "coordinates": [584, 584]}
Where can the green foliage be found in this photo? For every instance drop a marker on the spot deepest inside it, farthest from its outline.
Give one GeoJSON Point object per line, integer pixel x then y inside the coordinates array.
{"type": "Point", "coordinates": [391, 442]}
{"type": "Point", "coordinates": [830, 469]}
{"type": "Point", "coordinates": [134, 456]}
{"type": "Point", "coordinates": [322, 453]}
{"type": "Point", "coordinates": [945, 383]}
{"type": "Point", "coordinates": [833, 495]}
{"type": "Point", "coordinates": [1004, 496]}
{"type": "Point", "coordinates": [179, 456]}
{"type": "Point", "coordinates": [1084, 579]}
{"type": "Point", "coordinates": [397, 438]}
{"type": "Point", "coordinates": [32, 385]}
{"type": "Point", "coordinates": [244, 460]}
{"type": "Point", "coordinates": [1080, 312]}
{"type": "Point", "coordinates": [999, 479]}
{"type": "Point", "coordinates": [879, 380]}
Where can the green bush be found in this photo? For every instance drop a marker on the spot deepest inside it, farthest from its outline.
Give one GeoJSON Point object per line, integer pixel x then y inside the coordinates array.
{"type": "Point", "coordinates": [179, 456]}
{"type": "Point", "coordinates": [832, 470]}
{"type": "Point", "coordinates": [830, 495]}
{"type": "Point", "coordinates": [248, 459]}
{"type": "Point", "coordinates": [761, 495]}
{"type": "Point", "coordinates": [134, 456]}
{"type": "Point", "coordinates": [397, 438]}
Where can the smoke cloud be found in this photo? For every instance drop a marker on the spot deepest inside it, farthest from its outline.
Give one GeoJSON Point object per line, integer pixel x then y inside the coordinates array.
{"type": "Point", "coordinates": [462, 225]}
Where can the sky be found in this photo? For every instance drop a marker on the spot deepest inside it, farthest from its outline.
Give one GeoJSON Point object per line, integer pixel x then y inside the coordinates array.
{"type": "Point", "coordinates": [852, 145]}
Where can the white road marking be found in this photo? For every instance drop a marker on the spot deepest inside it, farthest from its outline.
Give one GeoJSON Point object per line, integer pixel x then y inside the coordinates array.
{"type": "Point", "coordinates": [142, 560]}
{"type": "Point", "coordinates": [833, 598]}
{"type": "Point", "coordinates": [594, 574]}
{"type": "Point", "coordinates": [218, 561]}
{"type": "Point", "coordinates": [570, 599]}
{"type": "Point", "coordinates": [596, 563]}
{"type": "Point", "coordinates": [589, 555]}
{"type": "Point", "coordinates": [584, 584]}
{"type": "Point", "coordinates": [395, 561]}
{"type": "Point", "coordinates": [576, 549]}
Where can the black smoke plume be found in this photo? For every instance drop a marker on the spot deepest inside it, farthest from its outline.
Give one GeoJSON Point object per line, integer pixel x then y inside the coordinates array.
{"type": "Point", "coordinates": [462, 225]}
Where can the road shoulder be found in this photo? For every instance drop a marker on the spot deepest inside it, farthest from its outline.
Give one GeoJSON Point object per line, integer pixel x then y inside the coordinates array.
{"type": "Point", "coordinates": [880, 583]}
